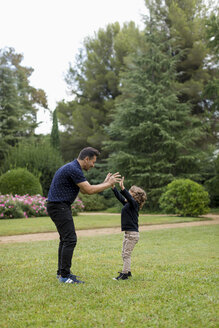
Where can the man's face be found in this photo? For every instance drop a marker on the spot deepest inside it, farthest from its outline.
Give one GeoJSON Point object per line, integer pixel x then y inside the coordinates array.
{"type": "Point", "coordinates": [89, 162]}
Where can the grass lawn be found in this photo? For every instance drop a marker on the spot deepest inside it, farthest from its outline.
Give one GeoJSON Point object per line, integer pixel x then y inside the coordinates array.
{"type": "Point", "coordinates": [174, 283]}
{"type": "Point", "coordinates": [44, 224]}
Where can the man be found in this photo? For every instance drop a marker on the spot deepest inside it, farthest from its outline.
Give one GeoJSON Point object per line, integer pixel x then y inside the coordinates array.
{"type": "Point", "coordinates": [66, 184]}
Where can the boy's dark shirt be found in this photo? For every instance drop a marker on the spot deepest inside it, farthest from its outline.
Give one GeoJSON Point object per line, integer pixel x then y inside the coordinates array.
{"type": "Point", "coordinates": [129, 215]}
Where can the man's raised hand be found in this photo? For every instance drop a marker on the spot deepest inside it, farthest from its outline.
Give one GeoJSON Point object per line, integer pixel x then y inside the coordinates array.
{"type": "Point", "coordinates": [114, 178]}
{"type": "Point", "coordinates": [107, 177]}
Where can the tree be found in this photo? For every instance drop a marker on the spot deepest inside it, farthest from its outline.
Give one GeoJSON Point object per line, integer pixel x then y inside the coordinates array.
{"type": "Point", "coordinates": [94, 82]}
{"type": "Point", "coordinates": [37, 156]}
{"type": "Point", "coordinates": [19, 101]}
{"type": "Point", "coordinates": [187, 27]}
{"type": "Point", "coordinates": [54, 139]}
{"type": "Point", "coordinates": [153, 137]}
{"type": "Point", "coordinates": [185, 23]}
{"type": "Point", "coordinates": [211, 91]}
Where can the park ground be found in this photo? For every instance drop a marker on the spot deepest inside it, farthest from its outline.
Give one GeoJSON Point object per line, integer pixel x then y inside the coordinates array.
{"type": "Point", "coordinates": [174, 283]}
{"type": "Point", "coordinates": [111, 230]}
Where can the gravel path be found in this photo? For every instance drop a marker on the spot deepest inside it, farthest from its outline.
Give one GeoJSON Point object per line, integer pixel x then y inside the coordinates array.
{"type": "Point", "coordinates": [105, 231]}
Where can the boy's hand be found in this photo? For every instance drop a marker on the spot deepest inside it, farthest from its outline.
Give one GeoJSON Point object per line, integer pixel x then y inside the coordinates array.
{"type": "Point", "coordinates": [121, 183]}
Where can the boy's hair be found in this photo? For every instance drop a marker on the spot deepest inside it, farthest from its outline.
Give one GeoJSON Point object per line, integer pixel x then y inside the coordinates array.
{"type": "Point", "coordinates": [88, 151]}
{"type": "Point", "coordinates": [139, 195]}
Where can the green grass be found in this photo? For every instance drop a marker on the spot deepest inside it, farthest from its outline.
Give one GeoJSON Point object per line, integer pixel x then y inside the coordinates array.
{"type": "Point", "coordinates": [44, 224]}
{"type": "Point", "coordinates": [174, 283]}
{"type": "Point", "coordinates": [214, 210]}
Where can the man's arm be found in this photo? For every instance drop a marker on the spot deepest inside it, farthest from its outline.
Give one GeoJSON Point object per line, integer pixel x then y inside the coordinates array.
{"type": "Point", "coordinates": [87, 188]}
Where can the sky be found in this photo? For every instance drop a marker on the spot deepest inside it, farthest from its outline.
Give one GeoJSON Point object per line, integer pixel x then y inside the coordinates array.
{"type": "Point", "coordinates": [49, 34]}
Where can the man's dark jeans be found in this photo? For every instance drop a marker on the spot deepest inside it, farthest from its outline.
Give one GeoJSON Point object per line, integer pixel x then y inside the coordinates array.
{"type": "Point", "coordinates": [61, 215]}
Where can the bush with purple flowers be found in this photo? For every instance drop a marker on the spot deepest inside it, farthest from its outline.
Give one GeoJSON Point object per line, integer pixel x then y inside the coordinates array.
{"type": "Point", "coordinates": [77, 206]}
{"type": "Point", "coordinates": [27, 206]}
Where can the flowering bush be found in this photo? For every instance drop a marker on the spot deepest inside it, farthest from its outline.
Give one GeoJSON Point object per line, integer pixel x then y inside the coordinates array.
{"type": "Point", "coordinates": [77, 206]}
{"type": "Point", "coordinates": [29, 206]}
{"type": "Point", "coordinates": [22, 206]}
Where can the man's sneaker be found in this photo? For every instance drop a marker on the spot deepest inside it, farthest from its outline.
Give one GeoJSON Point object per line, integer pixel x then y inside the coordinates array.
{"type": "Point", "coordinates": [129, 274]}
{"type": "Point", "coordinates": [122, 276]}
{"type": "Point", "coordinates": [70, 279]}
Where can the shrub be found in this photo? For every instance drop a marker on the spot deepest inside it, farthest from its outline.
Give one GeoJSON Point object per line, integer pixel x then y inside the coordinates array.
{"type": "Point", "coordinates": [22, 206]}
{"type": "Point", "coordinates": [27, 206]}
{"type": "Point", "coordinates": [77, 206]}
{"type": "Point", "coordinates": [185, 197]}
{"type": "Point", "coordinates": [212, 187]}
{"type": "Point", "coordinates": [19, 181]}
{"type": "Point", "coordinates": [38, 157]}
{"type": "Point", "coordinates": [93, 202]}
{"type": "Point", "coordinates": [10, 208]}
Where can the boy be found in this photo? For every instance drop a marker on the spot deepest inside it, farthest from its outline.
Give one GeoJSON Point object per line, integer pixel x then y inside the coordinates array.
{"type": "Point", "coordinates": [133, 200]}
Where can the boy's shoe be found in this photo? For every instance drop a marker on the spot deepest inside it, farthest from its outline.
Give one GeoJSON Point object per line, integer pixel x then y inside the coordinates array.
{"type": "Point", "coordinates": [122, 276]}
{"type": "Point", "coordinates": [129, 274]}
{"type": "Point", "coordinates": [70, 279]}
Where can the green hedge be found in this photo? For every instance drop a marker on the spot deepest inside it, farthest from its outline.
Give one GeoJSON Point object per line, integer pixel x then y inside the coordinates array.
{"type": "Point", "coordinates": [94, 202]}
{"type": "Point", "coordinates": [185, 197]}
{"type": "Point", "coordinates": [19, 182]}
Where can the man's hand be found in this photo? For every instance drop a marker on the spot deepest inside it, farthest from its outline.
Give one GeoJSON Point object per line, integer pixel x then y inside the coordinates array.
{"type": "Point", "coordinates": [107, 177]}
{"type": "Point", "coordinates": [114, 178]}
{"type": "Point", "coordinates": [121, 183]}
{"type": "Point", "coordinates": [110, 180]}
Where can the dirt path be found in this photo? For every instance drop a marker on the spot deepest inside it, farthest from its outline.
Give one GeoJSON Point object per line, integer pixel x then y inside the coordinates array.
{"type": "Point", "coordinates": [105, 231]}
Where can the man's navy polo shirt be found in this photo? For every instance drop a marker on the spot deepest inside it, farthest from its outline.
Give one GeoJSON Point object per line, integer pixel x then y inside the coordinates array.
{"type": "Point", "coordinates": [64, 184]}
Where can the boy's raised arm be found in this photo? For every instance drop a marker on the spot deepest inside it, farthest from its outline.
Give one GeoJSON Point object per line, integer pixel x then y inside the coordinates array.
{"type": "Point", "coordinates": [119, 196]}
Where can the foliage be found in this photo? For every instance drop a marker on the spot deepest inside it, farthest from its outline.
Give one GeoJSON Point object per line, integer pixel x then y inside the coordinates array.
{"type": "Point", "coordinates": [153, 137]}
{"type": "Point", "coordinates": [54, 138]}
{"type": "Point", "coordinates": [19, 181]}
{"type": "Point", "coordinates": [39, 157]}
{"type": "Point", "coordinates": [22, 206]}
{"type": "Point", "coordinates": [94, 81]}
{"type": "Point", "coordinates": [19, 101]}
{"type": "Point", "coordinates": [185, 23]}
{"type": "Point", "coordinates": [27, 206]}
{"type": "Point", "coordinates": [77, 206]}
{"type": "Point", "coordinates": [185, 197]}
{"type": "Point", "coordinates": [94, 202]}
{"type": "Point", "coordinates": [211, 92]}
{"type": "Point", "coordinates": [10, 207]}
{"type": "Point", "coordinates": [212, 185]}
{"type": "Point", "coordinates": [212, 31]}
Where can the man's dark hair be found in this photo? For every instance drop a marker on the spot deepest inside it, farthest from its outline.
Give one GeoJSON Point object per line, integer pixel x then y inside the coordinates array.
{"type": "Point", "coordinates": [88, 151]}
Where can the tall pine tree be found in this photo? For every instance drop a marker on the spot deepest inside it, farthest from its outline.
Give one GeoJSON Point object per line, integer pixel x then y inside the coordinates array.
{"type": "Point", "coordinates": [93, 81]}
{"type": "Point", "coordinates": [54, 138]}
{"type": "Point", "coordinates": [153, 136]}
